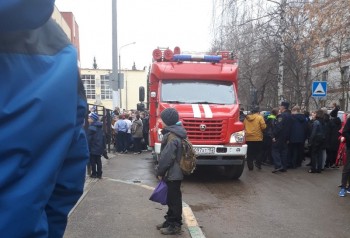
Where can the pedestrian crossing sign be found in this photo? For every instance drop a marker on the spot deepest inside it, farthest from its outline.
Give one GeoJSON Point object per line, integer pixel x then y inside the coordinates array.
{"type": "Point", "coordinates": [319, 89]}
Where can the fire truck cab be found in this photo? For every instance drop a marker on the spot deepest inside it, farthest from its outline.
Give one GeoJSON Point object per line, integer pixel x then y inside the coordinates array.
{"type": "Point", "coordinates": [203, 89]}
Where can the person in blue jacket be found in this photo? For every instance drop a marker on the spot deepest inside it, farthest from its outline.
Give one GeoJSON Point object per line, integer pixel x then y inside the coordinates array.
{"type": "Point", "coordinates": [97, 143]}
{"type": "Point", "coordinates": [43, 147]}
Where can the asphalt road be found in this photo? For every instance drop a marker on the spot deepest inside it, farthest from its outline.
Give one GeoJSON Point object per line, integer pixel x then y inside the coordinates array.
{"type": "Point", "coordinates": [263, 204]}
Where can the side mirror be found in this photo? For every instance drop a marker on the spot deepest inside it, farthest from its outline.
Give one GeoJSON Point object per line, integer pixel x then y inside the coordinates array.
{"type": "Point", "coordinates": [140, 107]}
{"type": "Point", "coordinates": [141, 94]}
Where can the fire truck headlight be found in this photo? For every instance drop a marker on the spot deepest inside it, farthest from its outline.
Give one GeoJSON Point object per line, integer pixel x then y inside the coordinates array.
{"type": "Point", "coordinates": [237, 137]}
{"type": "Point", "coordinates": [160, 135]}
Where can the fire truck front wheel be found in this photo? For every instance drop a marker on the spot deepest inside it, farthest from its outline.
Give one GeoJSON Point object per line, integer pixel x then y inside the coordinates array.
{"type": "Point", "coordinates": [234, 171]}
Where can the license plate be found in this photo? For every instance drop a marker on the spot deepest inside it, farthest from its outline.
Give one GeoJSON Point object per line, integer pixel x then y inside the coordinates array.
{"type": "Point", "coordinates": [204, 150]}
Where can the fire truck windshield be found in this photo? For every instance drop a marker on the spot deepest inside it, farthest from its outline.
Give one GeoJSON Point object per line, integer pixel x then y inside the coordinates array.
{"type": "Point", "coordinates": [199, 92]}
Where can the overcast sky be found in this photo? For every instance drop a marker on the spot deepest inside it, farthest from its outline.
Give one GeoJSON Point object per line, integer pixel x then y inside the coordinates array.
{"type": "Point", "coordinates": [149, 23]}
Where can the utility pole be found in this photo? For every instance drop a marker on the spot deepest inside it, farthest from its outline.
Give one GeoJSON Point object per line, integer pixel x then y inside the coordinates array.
{"type": "Point", "coordinates": [114, 77]}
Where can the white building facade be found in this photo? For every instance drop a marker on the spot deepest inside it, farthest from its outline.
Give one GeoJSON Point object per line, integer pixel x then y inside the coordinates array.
{"type": "Point", "coordinates": [99, 92]}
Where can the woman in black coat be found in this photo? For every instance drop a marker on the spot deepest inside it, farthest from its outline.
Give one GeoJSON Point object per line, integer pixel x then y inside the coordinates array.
{"type": "Point", "coordinates": [332, 143]}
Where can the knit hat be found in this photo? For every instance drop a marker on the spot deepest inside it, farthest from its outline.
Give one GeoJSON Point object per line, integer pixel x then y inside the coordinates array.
{"type": "Point", "coordinates": [93, 116]}
{"type": "Point", "coordinates": [285, 104]}
{"type": "Point", "coordinates": [170, 116]}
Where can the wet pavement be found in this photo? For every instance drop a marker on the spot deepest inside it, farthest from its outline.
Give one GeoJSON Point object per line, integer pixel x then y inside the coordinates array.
{"type": "Point", "coordinates": [118, 205]}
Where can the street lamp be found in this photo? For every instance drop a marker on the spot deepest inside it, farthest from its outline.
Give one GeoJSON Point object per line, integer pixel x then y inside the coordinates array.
{"type": "Point", "coordinates": [120, 69]}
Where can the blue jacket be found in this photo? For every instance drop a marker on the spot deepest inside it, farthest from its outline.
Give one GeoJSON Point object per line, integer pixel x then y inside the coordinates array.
{"type": "Point", "coordinates": [96, 138]}
{"type": "Point", "coordinates": [298, 132]}
{"type": "Point", "coordinates": [42, 107]}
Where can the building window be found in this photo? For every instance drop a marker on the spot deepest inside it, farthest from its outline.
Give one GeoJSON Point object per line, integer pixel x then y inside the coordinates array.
{"type": "Point", "coordinates": [327, 49]}
{"type": "Point", "coordinates": [89, 85]}
{"type": "Point", "coordinates": [325, 75]}
{"type": "Point", "coordinates": [106, 91]}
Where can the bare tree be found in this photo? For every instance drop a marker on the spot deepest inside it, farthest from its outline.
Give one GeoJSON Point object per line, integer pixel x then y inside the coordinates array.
{"type": "Point", "coordinates": [254, 30]}
{"type": "Point", "coordinates": [249, 28]}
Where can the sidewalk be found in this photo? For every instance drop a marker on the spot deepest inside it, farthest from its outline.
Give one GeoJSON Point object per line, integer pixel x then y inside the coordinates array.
{"type": "Point", "coordinates": [121, 209]}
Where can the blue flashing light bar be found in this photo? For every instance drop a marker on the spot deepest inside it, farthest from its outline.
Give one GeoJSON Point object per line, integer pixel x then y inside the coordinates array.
{"type": "Point", "coordinates": [201, 58]}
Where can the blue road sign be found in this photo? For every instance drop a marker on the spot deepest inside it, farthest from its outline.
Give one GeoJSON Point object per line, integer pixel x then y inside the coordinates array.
{"type": "Point", "coordinates": [319, 89]}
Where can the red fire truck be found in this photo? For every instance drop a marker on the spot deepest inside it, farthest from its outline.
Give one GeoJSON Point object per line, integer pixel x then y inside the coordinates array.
{"type": "Point", "coordinates": [203, 89]}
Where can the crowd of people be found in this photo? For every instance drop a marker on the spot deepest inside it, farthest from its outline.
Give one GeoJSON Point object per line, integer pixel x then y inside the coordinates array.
{"type": "Point", "coordinates": [130, 131]}
{"type": "Point", "coordinates": [282, 136]}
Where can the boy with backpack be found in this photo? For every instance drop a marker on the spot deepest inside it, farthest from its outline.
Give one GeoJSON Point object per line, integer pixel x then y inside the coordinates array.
{"type": "Point", "coordinates": [169, 169]}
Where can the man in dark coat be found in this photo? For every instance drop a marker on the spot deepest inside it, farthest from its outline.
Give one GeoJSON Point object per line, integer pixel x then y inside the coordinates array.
{"type": "Point", "coordinates": [280, 138]}
{"type": "Point", "coordinates": [145, 129]}
{"type": "Point", "coordinates": [298, 134]}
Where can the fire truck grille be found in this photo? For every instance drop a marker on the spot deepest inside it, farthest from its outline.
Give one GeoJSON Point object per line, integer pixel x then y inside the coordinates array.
{"type": "Point", "coordinates": [204, 130]}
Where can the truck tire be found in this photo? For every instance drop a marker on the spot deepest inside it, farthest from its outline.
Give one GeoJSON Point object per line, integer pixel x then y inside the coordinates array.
{"type": "Point", "coordinates": [234, 171]}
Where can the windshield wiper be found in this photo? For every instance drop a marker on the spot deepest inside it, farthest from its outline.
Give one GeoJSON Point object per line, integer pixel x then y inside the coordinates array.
{"type": "Point", "coordinates": [202, 102]}
{"type": "Point", "coordinates": [172, 101]}
{"type": "Point", "coordinates": [205, 102]}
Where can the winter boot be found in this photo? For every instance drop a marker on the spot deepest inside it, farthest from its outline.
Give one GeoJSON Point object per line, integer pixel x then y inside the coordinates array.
{"type": "Point", "coordinates": [162, 225]}
{"type": "Point", "coordinates": [171, 230]}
